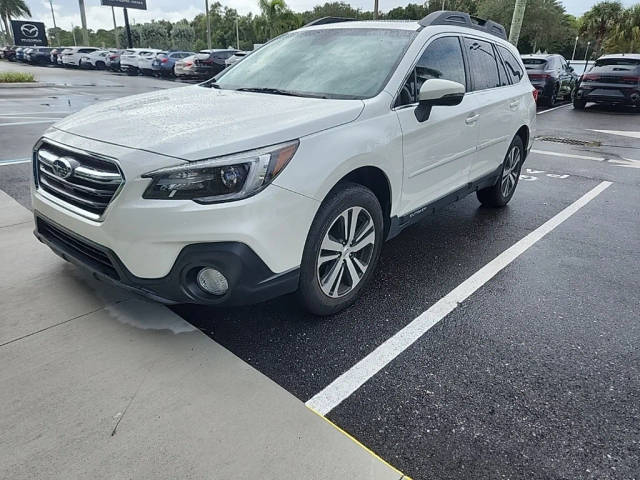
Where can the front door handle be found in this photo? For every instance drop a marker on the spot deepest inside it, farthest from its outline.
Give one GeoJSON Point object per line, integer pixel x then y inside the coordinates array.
{"type": "Point", "coordinates": [513, 105]}
{"type": "Point", "coordinates": [472, 119]}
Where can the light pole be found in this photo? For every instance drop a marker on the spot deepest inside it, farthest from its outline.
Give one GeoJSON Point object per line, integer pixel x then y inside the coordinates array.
{"type": "Point", "coordinates": [206, 6]}
{"type": "Point", "coordinates": [237, 35]}
{"type": "Point", "coordinates": [443, 2]}
{"type": "Point", "coordinates": [53, 16]}
{"type": "Point", "coordinates": [83, 19]}
{"type": "Point", "coordinates": [586, 62]}
{"type": "Point", "coordinates": [516, 21]}
{"type": "Point", "coordinates": [375, 9]}
{"type": "Point", "coordinates": [73, 32]}
{"type": "Point", "coordinates": [115, 28]}
{"type": "Point", "coordinates": [574, 48]}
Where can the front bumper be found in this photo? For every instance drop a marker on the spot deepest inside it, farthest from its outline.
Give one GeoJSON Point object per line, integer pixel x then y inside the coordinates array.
{"type": "Point", "coordinates": [250, 280]}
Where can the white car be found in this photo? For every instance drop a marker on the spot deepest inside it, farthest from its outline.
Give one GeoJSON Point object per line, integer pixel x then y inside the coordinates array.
{"type": "Point", "coordinates": [71, 55]}
{"type": "Point", "coordinates": [97, 59]}
{"type": "Point", "coordinates": [130, 59]}
{"type": "Point", "coordinates": [145, 61]}
{"type": "Point", "coordinates": [235, 58]}
{"type": "Point", "coordinates": [290, 169]}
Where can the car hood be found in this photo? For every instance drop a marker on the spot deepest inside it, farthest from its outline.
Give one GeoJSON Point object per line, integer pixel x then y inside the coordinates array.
{"type": "Point", "coordinates": [194, 122]}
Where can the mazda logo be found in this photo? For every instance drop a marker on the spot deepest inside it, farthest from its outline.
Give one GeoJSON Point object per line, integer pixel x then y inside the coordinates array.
{"type": "Point", "coordinates": [29, 30]}
{"type": "Point", "coordinates": [62, 167]}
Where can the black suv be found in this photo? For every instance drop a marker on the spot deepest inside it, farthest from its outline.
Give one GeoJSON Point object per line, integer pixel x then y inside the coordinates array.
{"type": "Point", "coordinates": [552, 76]}
{"type": "Point", "coordinates": [213, 64]}
{"type": "Point", "coordinates": [40, 56]}
{"type": "Point", "coordinates": [614, 79]}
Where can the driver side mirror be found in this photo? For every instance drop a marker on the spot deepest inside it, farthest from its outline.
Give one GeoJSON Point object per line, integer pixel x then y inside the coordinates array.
{"type": "Point", "coordinates": [437, 91]}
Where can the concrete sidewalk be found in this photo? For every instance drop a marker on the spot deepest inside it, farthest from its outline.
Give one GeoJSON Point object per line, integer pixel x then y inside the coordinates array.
{"type": "Point", "coordinates": [97, 383]}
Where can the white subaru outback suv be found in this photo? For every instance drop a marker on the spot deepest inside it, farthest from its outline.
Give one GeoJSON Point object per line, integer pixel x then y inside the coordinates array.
{"type": "Point", "coordinates": [289, 170]}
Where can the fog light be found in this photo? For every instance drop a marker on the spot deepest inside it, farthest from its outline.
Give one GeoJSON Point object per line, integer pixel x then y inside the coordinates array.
{"type": "Point", "coordinates": [212, 281]}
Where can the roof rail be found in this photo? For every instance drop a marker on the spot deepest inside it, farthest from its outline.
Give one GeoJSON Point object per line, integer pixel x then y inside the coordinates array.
{"type": "Point", "coordinates": [325, 20]}
{"type": "Point", "coordinates": [463, 19]}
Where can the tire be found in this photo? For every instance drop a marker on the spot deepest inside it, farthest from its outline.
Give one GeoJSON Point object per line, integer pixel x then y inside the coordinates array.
{"type": "Point", "coordinates": [100, 65]}
{"type": "Point", "coordinates": [579, 104]}
{"type": "Point", "coordinates": [327, 287]}
{"type": "Point", "coordinates": [553, 99]}
{"type": "Point", "coordinates": [499, 194]}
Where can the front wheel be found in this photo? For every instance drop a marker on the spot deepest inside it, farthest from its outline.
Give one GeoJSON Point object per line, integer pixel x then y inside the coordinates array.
{"type": "Point", "coordinates": [342, 249]}
{"type": "Point", "coordinates": [499, 194]}
{"type": "Point", "coordinates": [579, 104]}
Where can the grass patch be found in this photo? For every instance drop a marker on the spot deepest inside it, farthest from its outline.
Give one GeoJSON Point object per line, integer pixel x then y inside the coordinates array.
{"type": "Point", "coordinates": [16, 77]}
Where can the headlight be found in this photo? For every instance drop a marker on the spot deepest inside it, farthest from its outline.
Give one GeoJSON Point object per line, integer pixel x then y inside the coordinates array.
{"type": "Point", "coordinates": [221, 179]}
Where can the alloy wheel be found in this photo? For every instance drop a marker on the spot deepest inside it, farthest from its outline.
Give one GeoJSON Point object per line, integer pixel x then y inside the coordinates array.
{"type": "Point", "coordinates": [346, 252]}
{"type": "Point", "coordinates": [510, 171]}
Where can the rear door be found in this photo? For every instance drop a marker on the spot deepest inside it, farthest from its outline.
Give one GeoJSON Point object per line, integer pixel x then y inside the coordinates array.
{"type": "Point", "coordinates": [497, 104]}
{"type": "Point", "coordinates": [437, 152]}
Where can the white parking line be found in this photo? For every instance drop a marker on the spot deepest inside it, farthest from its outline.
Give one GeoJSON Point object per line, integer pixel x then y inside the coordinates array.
{"type": "Point", "coordinates": [15, 161]}
{"type": "Point", "coordinates": [347, 383]}
{"type": "Point", "coordinates": [552, 109]}
{"type": "Point", "coordinates": [569, 155]}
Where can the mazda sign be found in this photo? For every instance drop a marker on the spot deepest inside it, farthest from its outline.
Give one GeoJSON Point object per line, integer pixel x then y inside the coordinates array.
{"type": "Point", "coordinates": [29, 34]}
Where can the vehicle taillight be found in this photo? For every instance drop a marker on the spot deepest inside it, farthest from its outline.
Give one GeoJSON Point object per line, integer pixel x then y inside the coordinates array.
{"type": "Point", "coordinates": [590, 77]}
{"type": "Point", "coordinates": [188, 64]}
{"type": "Point", "coordinates": [164, 60]}
{"type": "Point", "coordinates": [539, 76]}
{"type": "Point", "coordinates": [535, 94]}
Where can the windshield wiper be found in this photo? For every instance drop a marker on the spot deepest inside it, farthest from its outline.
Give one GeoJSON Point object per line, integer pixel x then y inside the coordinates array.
{"type": "Point", "coordinates": [275, 91]}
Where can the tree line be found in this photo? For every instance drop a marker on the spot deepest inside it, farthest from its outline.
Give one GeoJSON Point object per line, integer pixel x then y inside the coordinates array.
{"type": "Point", "coordinates": [547, 27]}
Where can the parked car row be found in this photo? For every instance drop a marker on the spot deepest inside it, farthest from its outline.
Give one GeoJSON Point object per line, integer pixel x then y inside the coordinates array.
{"type": "Point", "coordinates": [134, 61]}
{"type": "Point", "coordinates": [611, 79]}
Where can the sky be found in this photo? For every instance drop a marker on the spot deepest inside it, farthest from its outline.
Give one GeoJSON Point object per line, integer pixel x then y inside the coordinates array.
{"type": "Point", "coordinates": [67, 12]}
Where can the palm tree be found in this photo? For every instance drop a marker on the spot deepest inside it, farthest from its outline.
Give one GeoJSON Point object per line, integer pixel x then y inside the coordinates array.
{"type": "Point", "coordinates": [600, 21]}
{"type": "Point", "coordinates": [626, 36]}
{"type": "Point", "coordinates": [271, 9]}
{"type": "Point", "coordinates": [13, 8]}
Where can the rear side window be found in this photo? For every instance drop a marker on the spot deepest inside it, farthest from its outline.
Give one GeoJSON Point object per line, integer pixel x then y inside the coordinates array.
{"type": "Point", "coordinates": [511, 64]}
{"type": "Point", "coordinates": [482, 64]}
{"type": "Point", "coordinates": [441, 59]}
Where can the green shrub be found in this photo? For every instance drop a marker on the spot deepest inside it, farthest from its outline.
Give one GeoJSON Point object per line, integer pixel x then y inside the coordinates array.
{"type": "Point", "coordinates": [16, 77]}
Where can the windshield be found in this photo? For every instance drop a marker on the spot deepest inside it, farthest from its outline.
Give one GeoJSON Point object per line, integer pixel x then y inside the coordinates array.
{"type": "Point", "coordinates": [333, 63]}
{"type": "Point", "coordinates": [534, 63]}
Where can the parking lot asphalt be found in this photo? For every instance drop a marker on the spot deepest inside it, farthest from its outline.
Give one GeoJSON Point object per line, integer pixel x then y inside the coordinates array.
{"type": "Point", "coordinates": [535, 374]}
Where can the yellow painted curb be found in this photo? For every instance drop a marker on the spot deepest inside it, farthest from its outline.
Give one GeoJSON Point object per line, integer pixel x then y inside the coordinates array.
{"type": "Point", "coordinates": [360, 444]}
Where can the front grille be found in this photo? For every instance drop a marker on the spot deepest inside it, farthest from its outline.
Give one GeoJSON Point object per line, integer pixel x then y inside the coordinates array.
{"type": "Point", "coordinates": [84, 182]}
{"type": "Point", "coordinates": [77, 247]}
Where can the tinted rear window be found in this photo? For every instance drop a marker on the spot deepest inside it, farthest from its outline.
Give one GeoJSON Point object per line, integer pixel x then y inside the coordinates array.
{"type": "Point", "coordinates": [534, 63]}
{"type": "Point", "coordinates": [626, 62]}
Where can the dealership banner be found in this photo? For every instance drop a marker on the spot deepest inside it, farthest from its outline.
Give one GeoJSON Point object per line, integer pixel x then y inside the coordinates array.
{"type": "Point", "coordinates": [140, 4]}
{"type": "Point", "coordinates": [29, 34]}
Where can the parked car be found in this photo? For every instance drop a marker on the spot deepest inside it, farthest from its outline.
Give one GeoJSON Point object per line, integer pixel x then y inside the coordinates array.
{"type": "Point", "coordinates": [112, 61]}
{"type": "Point", "coordinates": [295, 195]}
{"type": "Point", "coordinates": [235, 58]}
{"type": "Point", "coordinates": [97, 60]}
{"type": "Point", "coordinates": [26, 54]}
{"type": "Point", "coordinates": [55, 54]}
{"type": "Point", "coordinates": [61, 55]}
{"type": "Point", "coordinates": [20, 54]}
{"type": "Point", "coordinates": [164, 63]}
{"type": "Point", "coordinates": [184, 67]}
{"type": "Point", "coordinates": [145, 61]}
{"type": "Point", "coordinates": [613, 79]}
{"type": "Point", "coordinates": [129, 59]}
{"type": "Point", "coordinates": [39, 55]}
{"type": "Point", "coordinates": [210, 64]}
{"type": "Point", "coordinates": [9, 53]}
{"type": "Point", "coordinates": [552, 76]}
{"type": "Point", "coordinates": [71, 56]}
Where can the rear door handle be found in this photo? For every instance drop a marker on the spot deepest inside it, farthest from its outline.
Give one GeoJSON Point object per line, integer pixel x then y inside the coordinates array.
{"type": "Point", "coordinates": [513, 105]}
{"type": "Point", "coordinates": [472, 119]}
